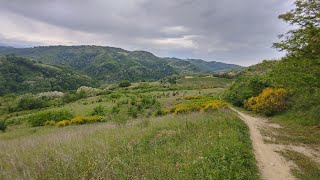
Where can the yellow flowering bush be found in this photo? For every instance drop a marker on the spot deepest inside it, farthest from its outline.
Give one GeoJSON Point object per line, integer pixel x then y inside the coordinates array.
{"type": "Point", "coordinates": [270, 101]}
{"type": "Point", "coordinates": [63, 123]}
{"type": "Point", "coordinates": [84, 120]}
{"type": "Point", "coordinates": [197, 107]}
{"type": "Point", "coordinates": [75, 120]}
{"type": "Point", "coordinates": [192, 97]}
{"type": "Point", "coordinates": [213, 105]}
{"type": "Point", "coordinates": [50, 123]}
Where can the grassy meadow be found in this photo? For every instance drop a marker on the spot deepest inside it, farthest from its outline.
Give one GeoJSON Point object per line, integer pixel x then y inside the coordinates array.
{"type": "Point", "coordinates": [147, 131]}
{"type": "Point", "coordinates": [213, 145]}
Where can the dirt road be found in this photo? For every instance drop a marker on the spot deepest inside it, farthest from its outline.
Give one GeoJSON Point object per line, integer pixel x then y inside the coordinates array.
{"type": "Point", "coordinates": [271, 164]}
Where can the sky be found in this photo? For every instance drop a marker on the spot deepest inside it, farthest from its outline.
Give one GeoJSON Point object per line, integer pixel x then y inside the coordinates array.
{"type": "Point", "coordinates": [231, 31]}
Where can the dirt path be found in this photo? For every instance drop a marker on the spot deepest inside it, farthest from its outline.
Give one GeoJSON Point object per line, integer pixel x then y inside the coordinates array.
{"type": "Point", "coordinates": [271, 164]}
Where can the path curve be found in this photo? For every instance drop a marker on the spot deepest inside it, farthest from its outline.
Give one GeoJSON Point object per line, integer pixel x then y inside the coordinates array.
{"type": "Point", "coordinates": [271, 164]}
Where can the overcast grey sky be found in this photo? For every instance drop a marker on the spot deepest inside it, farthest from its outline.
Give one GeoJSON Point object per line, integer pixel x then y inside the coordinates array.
{"type": "Point", "coordinates": [232, 31]}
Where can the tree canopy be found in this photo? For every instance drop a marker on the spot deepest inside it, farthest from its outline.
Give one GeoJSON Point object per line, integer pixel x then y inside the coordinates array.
{"type": "Point", "coordinates": [304, 39]}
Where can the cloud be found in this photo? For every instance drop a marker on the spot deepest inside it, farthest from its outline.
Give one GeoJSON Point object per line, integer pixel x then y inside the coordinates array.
{"type": "Point", "coordinates": [174, 29]}
{"type": "Point", "coordinates": [240, 32]}
{"type": "Point", "coordinates": [169, 43]}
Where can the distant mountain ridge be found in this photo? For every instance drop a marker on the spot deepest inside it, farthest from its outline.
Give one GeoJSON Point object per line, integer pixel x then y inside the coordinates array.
{"type": "Point", "coordinates": [21, 75]}
{"type": "Point", "coordinates": [113, 64]}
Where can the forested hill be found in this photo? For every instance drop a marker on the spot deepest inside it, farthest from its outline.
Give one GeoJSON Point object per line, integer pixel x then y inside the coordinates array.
{"type": "Point", "coordinates": [113, 64]}
{"type": "Point", "coordinates": [20, 75]}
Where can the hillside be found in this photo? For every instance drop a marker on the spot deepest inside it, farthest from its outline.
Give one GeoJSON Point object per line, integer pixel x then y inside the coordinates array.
{"type": "Point", "coordinates": [112, 64]}
{"type": "Point", "coordinates": [20, 75]}
{"type": "Point", "coordinates": [298, 76]}
{"type": "Point", "coordinates": [212, 65]}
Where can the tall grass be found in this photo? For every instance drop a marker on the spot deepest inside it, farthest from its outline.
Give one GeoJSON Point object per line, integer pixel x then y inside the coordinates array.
{"type": "Point", "coordinates": [212, 145]}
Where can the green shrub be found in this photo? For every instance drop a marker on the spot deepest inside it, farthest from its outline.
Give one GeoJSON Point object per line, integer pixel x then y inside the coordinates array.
{"type": "Point", "coordinates": [29, 102]}
{"type": "Point", "coordinates": [160, 112]}
{"type": "Point", "coordinates": [132, 112]}
{"type": "Point", "coordinates": [3, 126]}
{"type": "Point", "coordinates": [115, 110]}
{"type": "Point", "coordinates": [98, 111]}
{"type": "Point", "coordinates": [40, 118]}
{"type": "Point", "coordinates": [244, 88]}
{"type": "Point", "coordinates": [125, 83]}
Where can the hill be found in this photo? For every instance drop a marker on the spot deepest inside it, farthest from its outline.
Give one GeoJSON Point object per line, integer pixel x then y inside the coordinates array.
{"type": "Point", "coordinates": [20, 75]}
{"type": "Point", "coordinates": [113, 64]}
{"type": "Point", "coordinates": [212, 65]}
{"type": "Point", "coordinates": [298, 76]}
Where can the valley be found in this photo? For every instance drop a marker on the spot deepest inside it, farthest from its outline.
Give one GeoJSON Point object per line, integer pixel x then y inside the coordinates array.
{"type": "Point", "coordinates": [82, 111]}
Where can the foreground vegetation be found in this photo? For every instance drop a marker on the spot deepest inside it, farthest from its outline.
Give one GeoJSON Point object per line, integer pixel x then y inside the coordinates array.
{"type": "Point", "coordinates": [145, 130]}
{"type": "Point", "coordinates": [288, 90]}
{"type": "Point", "coordinates": [195, 146]}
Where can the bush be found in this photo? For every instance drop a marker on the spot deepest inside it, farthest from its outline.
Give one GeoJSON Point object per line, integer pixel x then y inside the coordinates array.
{"type": "Point", "coordinates": [125, 83]}
{"type": "Point", "coordinates": [192, 97]}
{"type": "Point", "coordinates": [85, 120]}
{"type": "Point", "coordinates": [50, 95]}
{"type": "Point", "coordinates": [161, 112]}
{"type": "Point", "coordinates": [69, 97]}
{"type": "Point", "coordinates": [3, 126]}
{"type": "Point", "coordinates": [268, 102]}
{"type": "Point", "coordinates": [75, 120]}
{"type": "Point", "coordinates": [213, 105]}
{"type": "Point", "coordinates": [197, 107]}
{"type": "Point", "coordinates": [244, 88]}
{"type": "Point", "coordinates": [98, 111]}
{"type": "Point", "coordinates": [29, 102]}
{"type": "Point", "coordinates": [132, 112]}
{"type": "Point", "coordinates": [40, 118]}
{"type": "Point", "coordinates": [88, 91]}
{"type": "Point", "coordinates": [115, 110]}
{"type": "Point", "coordinates": [63, 123]}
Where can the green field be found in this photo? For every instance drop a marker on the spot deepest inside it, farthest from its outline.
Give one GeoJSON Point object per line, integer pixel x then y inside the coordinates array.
{"type": "Point", "coordinates": [213, 145]}
{"type": "Point", "coordinates": [136, 142]}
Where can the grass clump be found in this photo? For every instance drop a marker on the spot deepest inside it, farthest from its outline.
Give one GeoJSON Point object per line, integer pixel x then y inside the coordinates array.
{"type": "Point", "coordinates": [307, 169]}
{"type": "Point", "coordinates": [40, 118]}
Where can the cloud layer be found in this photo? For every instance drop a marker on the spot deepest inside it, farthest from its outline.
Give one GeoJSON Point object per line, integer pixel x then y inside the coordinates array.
{"type": "Point", "coordinates": [240, 32]}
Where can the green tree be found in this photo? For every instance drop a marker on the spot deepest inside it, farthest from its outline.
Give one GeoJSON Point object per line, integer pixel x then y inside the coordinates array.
{"type": "Point", "coordinates": [29, 102]}
{"type": "Point", "coordinates": [305, 39]}
{"type": "Point", "coordinates": [125, 83]}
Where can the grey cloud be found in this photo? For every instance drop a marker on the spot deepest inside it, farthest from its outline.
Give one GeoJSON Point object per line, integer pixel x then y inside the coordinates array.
{"type": "Point", "coordinates": [240, 32]}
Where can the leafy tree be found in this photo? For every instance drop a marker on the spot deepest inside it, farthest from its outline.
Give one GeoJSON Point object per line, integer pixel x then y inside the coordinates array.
{"type": "Point", "coordinates": [125, 83]}
{"type": "Point", "coordinates": [172, 80]}
{"type": "Point", "coordinates": [304, 40]}
{"type": "Point", "coordinates": [29, 102]}
{"type": "Point", "coordinates": [245, 87]}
